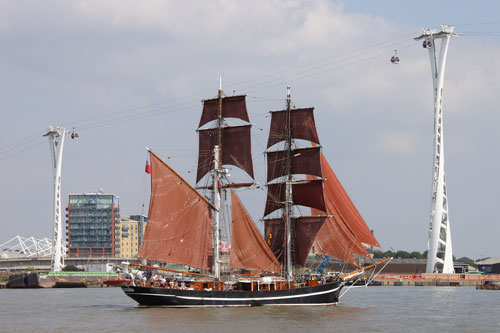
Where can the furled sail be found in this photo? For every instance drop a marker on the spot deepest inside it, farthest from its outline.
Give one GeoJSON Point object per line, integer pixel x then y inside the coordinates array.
{"type": "Point", "coordinates": [248, 248]}
{"type": "Point", "coordinates": [234, 141]}
{"type": "Point", "coordinates": [289, 125]}
{"type": "Point", "coordinates": [179, 228]}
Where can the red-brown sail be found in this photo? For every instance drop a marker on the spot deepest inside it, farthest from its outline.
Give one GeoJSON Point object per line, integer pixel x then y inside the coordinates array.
{"type": "Point", "coordinates": [232, 107]}
{"type": "Point", "coordinates": [236, 149]}
{"type": "Point", "coordinates": [274, 233]}
{"type": "Point", "coordinates": [336, 240]}
{"type": "Point", "coordinates": [337, 197]}
{"type": "Point", "coordinates": [304, 161]}
{"type": "Point", "coordinates": [302, 126]}
{"type": "Point", "coordinates": [248, 248]}
{"type": "Point", "coordinates": [179, 228]}
{"type": "Point", "coordinates": [306, 229]}
{"type": "Point", "coordinates": [338, 237]}
{"type": "Point", "coordinates": [307, 193]}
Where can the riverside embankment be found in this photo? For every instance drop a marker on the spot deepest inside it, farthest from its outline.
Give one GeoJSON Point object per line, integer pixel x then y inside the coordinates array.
{"type": "Point", "coordinates": [433, 280]}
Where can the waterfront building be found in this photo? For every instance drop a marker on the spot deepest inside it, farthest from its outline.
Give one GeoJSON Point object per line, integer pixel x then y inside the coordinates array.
{"type": "Point", "coordinates": [129, 235]}
{"type": "Point", "coordinates": [487, 264]}
{"type": "Point", "coordinates": [91, 221]}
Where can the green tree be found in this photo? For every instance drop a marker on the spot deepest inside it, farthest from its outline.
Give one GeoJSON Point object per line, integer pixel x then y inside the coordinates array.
{"type": "Point", "coordinates": [471, 263]}
{"type": "Point", "coordinates": [71, 268]}
{"type": "Point", "coordinates": [389, 254]}
{"type": "Point", "coordinates": [402, 254]}
{"type": "Point", "coordinates": [416, 255]}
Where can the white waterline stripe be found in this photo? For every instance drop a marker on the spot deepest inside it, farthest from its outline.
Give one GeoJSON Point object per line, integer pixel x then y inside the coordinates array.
{"type": "Point", "coordinates": [234, 305]}
{"type": "Point", "coordinates": [242, 299]}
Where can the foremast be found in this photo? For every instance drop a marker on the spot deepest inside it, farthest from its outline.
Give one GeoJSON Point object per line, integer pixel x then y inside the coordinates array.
{"type": "Point", "coordinates": [288, 188]}
{"type": "Point", "coordinates": [219, 145]}
{"type": "Point", "coordinates": [216, 190]}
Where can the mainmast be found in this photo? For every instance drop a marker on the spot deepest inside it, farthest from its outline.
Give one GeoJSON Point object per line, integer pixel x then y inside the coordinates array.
{"type": "Point", "coordinates": [291, 237]}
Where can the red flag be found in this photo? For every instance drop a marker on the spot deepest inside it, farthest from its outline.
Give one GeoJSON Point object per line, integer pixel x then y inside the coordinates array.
{"type": "Point", "coordinates": [224, 247]}
{"type": "Point", "coordinates": [148, 168]}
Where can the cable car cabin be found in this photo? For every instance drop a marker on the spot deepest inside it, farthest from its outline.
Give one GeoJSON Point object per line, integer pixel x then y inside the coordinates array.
{"type": "Point", "coordinates": [74, 135]}
{"type": "Point", "coordinates": [395, 60]}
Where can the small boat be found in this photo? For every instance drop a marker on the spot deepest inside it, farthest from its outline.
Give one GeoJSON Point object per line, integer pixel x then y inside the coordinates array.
{"type": "Point", "coordinates": [118, 282]}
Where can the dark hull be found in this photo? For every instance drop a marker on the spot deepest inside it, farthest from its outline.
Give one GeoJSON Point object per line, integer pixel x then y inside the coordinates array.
{"type": "Point", "coordinates": [326, 294]}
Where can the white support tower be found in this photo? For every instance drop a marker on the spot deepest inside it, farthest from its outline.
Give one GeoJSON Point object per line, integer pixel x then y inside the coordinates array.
{"type": "Point", "coordinates": [56, 141]}
{"type": "Point", "coordinates": [439, 243]}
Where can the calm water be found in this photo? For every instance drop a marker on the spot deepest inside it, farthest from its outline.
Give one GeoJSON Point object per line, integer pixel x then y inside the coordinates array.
{"type": "Point", "coordinates": [375, 309]}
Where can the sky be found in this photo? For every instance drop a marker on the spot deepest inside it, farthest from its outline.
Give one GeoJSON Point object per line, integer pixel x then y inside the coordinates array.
{"type": "Point", "coordinates": [132, 74]}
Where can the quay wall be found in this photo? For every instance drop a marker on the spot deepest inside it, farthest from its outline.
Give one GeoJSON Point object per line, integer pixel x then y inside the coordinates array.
{"type": "Point", "coordinates": [431, 280]}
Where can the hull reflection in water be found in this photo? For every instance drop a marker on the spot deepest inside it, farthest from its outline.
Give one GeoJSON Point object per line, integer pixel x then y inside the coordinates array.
{"type": "Point", "coordinates": [325, 294]}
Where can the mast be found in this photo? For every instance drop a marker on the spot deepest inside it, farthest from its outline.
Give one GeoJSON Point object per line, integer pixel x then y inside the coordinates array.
{"type": "Point", "coordinates": [217, 187]}
{"type": "Point", "coordinates": [220, 144]}
{"type": "Point", "coordinates": [288, 196]}
{"type": "Point", "coordinates": [216, 212]}
{"type": "Point", "coordinates": [291, 237]}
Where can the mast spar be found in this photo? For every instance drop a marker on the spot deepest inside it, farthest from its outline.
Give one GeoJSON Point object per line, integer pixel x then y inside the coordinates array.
{"type": "Point", "coordinates": [217, 184]}
{"type": "Point", "coordinates": [288, 198]}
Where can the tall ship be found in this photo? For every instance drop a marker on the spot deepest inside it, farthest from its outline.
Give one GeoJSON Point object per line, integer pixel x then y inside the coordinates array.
{"type": "Point", "coordinates": [228, 261]}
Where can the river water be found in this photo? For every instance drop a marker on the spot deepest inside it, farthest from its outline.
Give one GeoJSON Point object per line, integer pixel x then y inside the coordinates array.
{"type": "Point", "coordinates": [373, 309]}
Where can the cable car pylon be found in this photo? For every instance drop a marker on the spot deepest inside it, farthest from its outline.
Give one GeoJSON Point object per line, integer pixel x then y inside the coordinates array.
{"type": "Point", "coordinates": [56, 136]}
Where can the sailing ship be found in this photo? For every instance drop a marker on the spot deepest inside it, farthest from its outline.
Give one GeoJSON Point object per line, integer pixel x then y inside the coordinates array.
{"type": "Point", "coordinates": [184, 227]}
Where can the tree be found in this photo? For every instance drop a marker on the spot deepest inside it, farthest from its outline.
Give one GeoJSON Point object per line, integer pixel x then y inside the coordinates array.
{"type": "Point", "coordinates": [71, 268]}
{"type": "Point", "coordinates": [402, 254]}
{"type": "Point", "coordinates": [471, 263]}
{"type": "Point", "coordinates": [416, 255]}
{"type": "Point", "coordinates": [389, 254]}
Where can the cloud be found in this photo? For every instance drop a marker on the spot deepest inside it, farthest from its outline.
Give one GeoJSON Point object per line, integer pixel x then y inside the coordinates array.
{"type": "Point", "coordinates": [399, 143]}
